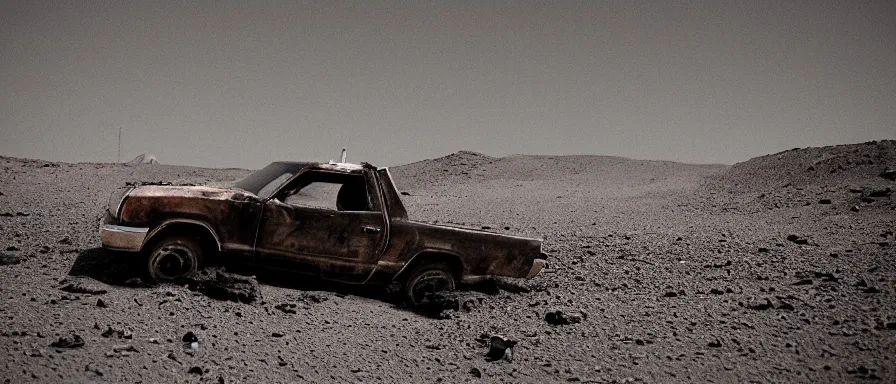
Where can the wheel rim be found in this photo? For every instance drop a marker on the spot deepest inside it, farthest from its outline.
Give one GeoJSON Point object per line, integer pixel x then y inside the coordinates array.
{"type": "Point", "coordinates": [172, 261]}
{"type": "Point", "coordinates": [429, 282]}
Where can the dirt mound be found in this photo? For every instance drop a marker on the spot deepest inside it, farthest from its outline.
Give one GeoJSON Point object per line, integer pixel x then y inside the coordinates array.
{"type": "Point", "coordinates": [861, 164]}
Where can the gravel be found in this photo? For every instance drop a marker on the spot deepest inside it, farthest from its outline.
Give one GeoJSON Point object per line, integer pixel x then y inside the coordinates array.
{"type": "Point", "coordinates": [684, 271]}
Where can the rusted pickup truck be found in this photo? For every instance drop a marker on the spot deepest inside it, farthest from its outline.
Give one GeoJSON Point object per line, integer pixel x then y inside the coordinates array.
{"type": "Point", "coordinates": [337, 221]}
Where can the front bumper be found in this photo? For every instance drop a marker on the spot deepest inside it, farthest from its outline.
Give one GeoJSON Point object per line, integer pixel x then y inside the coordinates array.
{"type": "Point", "coordinates": [122, 238]}
{"type": "Point", "coordinates": [537, 266]}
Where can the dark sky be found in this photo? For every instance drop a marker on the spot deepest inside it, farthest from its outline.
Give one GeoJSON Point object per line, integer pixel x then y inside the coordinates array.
{"type": "Point", "coordinates": [239, 84]}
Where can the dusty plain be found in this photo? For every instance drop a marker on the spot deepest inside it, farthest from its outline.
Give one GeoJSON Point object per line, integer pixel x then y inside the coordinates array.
{"type": "Point", "coordinates": [777, 269]}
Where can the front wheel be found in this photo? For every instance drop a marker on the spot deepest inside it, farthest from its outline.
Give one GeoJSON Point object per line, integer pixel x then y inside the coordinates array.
{"type": "Point", "coordinates": [173, 258]}
{"type": "Point", "coordinates": [427, 278]}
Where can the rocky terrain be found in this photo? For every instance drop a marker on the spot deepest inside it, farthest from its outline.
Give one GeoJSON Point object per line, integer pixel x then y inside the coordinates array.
{"type": "Point", "coordinates": [777, 269]}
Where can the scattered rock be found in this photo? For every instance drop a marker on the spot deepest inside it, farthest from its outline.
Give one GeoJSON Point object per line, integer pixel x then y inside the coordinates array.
{"type": "Point", "coordinates": [10, 259]}
{"type": "Point", "coordinates": [797, 239]}
{"type": "Point", "coordinates": [277, 334]}
{"type": "Point", "coordinates": [670, 294]}
{"type": "Point", "coordinates": [195, 370]}
{"type": "Point", "coordinates": [494, 285]}
{"type": "Point", "coordinates": [871, 290]}
{"type": "Point", "coordinates": [440, 305]}
{"type": "Point", "coordinates": [880, 193]}
{"type": "Point", "coordinates": [286, 308]}
{"type": "Point", "coordinates": [116, 333]}
{"type": "Point", "coordinates": [559, 317]}
{"type": "Point", "coordinates": [500, 348]}
{"type": "Point", "coordinates": [763, 250]}
{"type": "Point", "coordinates": [124, 348]}
{"type": "Point", "coordinates": [68, 342]}
{"type": "Point", "coordinates": [760, 305]}
{"type": "Point", "coordinates": [189, 337]}
{"type": "Point", "coordinates": [220, 285]}
{"type": "Point", "coordinates": [92, 368]}
{"type": "Point", "coordinates": [313, 297]}
{"type": "Point", "coordinates": [723, 265]}
{"type": "Point", "coordinates": [714, 344]}
{"type": "Point", "coordinates": [803, 282]}
{"type": "Point", "coordinates": [889, 174]}
{"type": "Point", "coordinates": [65, 241]}
{"type": "Point", "coordinates": [100, 303]}
{"type": "Point", "coordinates": [476, 372]}
{"type": "Point", "coordinates": [82, 286]}
{"type": "Point", "coordinates": [824, 201]}
{"type": "Point", "coordinates": [785, 306]}
{"type": "Point", "coordinates": [864, 372]}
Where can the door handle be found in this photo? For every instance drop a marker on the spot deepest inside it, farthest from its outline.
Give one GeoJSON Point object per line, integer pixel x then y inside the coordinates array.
{"type": "Point", "coordinates": [371, 230]}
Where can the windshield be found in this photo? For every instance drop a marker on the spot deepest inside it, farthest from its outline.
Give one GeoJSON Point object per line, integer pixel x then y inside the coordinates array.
{"type": "Point", "coordinates": [265, 181]}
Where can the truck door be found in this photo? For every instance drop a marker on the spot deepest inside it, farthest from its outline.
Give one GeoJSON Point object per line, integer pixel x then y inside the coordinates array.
{"type": "Point", "coordinates": [325, 223]}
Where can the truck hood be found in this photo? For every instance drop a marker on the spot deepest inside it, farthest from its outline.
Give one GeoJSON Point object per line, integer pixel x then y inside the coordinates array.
{"type": "Point", "coordinates": [203, 192]}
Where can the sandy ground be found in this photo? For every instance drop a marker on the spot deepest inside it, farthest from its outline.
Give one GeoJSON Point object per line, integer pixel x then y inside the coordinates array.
{"type": "Point", "coordinates": [685, 274]}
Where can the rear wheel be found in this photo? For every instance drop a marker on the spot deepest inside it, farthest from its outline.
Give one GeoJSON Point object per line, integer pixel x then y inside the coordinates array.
{"type": "Point", "coordinates": [172, 258]}
{"type": "Point", "coordinates": [427, 278]}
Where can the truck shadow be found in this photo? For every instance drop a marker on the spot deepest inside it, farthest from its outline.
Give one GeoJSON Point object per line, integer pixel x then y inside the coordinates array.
{"type": "Point", "coordinates": [113, 268]}
{"type": "Point", "coordinates": [122, 269]}
{"type": "Point", "coordinates": [239, 282]}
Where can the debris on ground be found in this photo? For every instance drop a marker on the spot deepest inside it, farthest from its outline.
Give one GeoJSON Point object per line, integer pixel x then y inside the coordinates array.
{"type": "Point", "coordinates": [221, 285]}
{"type": "Point", "coordinates": [797, 239]}
{"type": "Point", "coordinates": [493, 285]}
{"type": "Point", "coordinates": [7, 258]}
{"type": "Point", "coordinates": [82, 286]}
{"type": "Point", "coordinates": [440, 305]}
{"type": "Point", "coordinates": [500, 348]}
{"type": "Point", "coordinates": [92, 368]}
{"type": "Point", "coordinates": [116, 333]}
{"type": "Point", "coordinates": [189, 337]}
{"type": "Point", "coordinates": [68, 342]}
{"type": "Point", "coordinates": [567, 317]}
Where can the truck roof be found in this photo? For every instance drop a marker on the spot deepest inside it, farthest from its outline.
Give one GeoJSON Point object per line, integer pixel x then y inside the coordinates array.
{"type": "Point", "coordinates": [344, 167]}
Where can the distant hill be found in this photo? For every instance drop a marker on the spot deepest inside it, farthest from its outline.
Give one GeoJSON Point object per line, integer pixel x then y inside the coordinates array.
{"type": "Point", "coordinates": [471, 167]}
{"type": "Point", "coordinates": [814, 166]}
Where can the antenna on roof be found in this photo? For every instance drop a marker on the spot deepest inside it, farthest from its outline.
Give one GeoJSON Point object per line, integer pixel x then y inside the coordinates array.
{"type": "Point", "coordinates": [342, 158]}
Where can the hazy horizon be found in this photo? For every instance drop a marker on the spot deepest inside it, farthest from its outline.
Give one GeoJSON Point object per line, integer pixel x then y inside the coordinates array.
{"type": "Point", "coordinates": [229, 84]}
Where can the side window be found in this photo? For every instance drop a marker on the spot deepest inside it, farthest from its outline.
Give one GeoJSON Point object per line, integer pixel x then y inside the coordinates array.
{"type": "Point", "coordinates": [338, 192]}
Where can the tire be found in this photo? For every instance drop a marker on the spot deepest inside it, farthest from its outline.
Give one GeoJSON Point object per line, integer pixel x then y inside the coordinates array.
{"type": "Point", "coordinates": [427, 278]}
{"type": "Point", "coordinates": [173, 258]}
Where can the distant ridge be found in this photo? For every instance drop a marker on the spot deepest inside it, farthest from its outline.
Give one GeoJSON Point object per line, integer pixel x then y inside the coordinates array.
{"type": "Point", "coordinates": [837, 164]}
